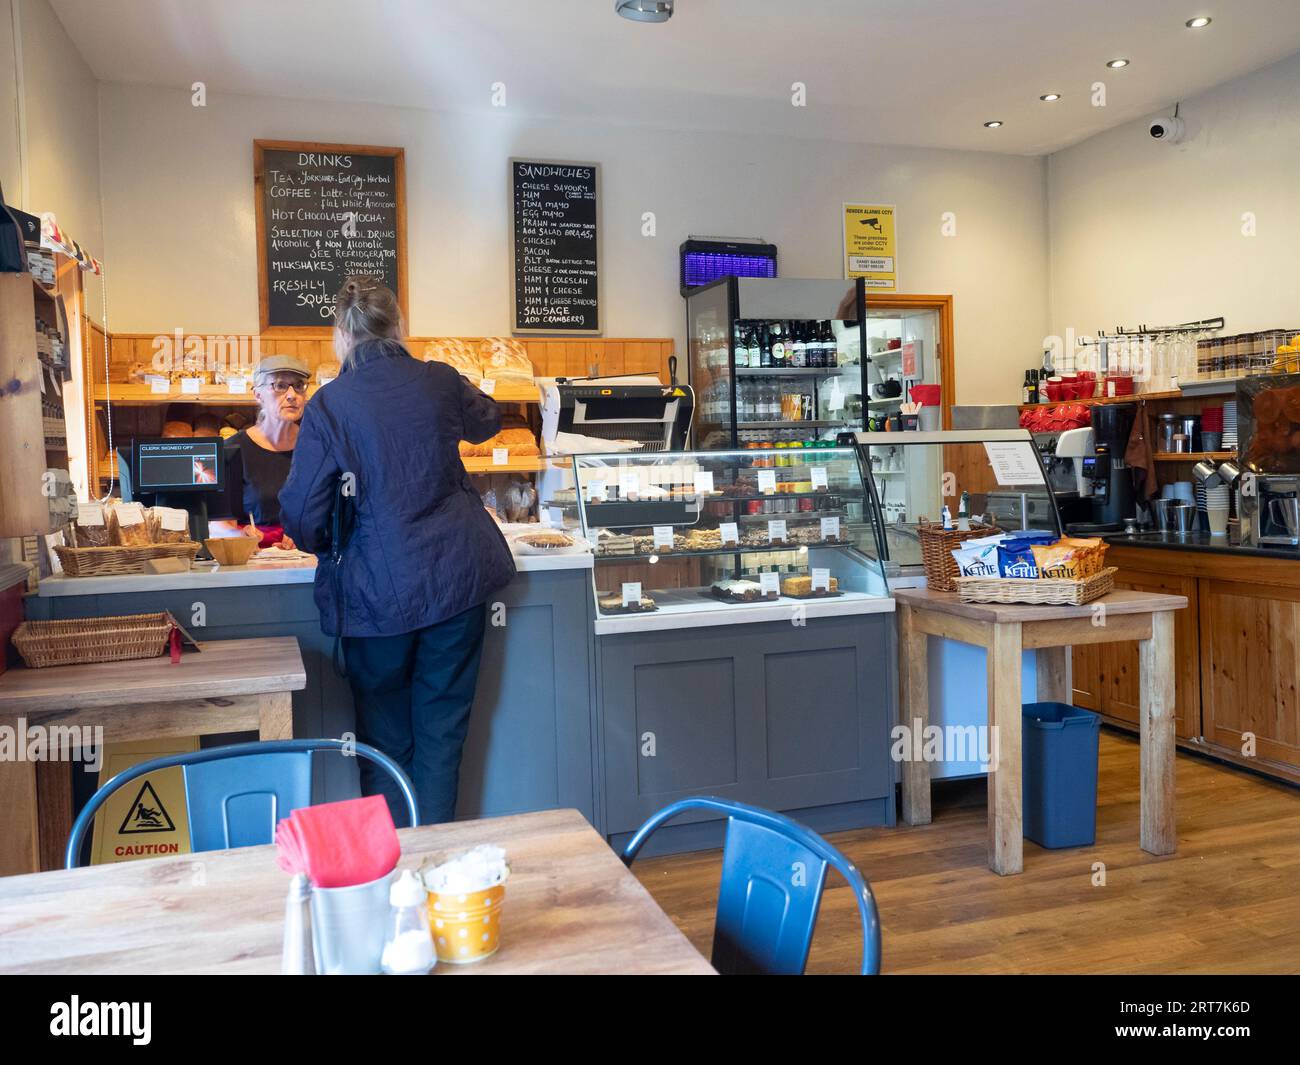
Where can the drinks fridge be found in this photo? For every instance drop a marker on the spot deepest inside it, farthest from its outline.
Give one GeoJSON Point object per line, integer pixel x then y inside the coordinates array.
{"type": "Point", "coordinates": [777, 361]}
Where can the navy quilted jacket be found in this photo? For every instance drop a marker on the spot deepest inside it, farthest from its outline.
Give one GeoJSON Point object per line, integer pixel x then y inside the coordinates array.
{"type": "Point", "coordinates": [423, 548]}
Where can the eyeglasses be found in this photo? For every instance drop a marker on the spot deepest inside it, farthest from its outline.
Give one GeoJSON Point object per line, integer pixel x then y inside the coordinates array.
{"type": "Point", "coordinates": [281, 387]}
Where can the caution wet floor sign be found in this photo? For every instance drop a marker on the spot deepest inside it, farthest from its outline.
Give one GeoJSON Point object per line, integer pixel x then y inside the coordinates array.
{"type": "Point", "coordinates": [146, 818]}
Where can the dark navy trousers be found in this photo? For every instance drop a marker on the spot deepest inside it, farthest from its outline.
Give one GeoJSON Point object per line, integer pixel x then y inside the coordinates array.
{"type": "Point", "coordinates": [413, 695]}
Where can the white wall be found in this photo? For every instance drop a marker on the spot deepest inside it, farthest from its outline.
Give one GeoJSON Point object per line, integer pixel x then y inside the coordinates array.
{"type": "Point", "coordinates": [62, 123]}
{"type": "Point", "coordinates": [1149, 232]}
{"type": "Point", "coordinates": [179, 217]}
{"type": "Point", "coordinates": [10, 175]}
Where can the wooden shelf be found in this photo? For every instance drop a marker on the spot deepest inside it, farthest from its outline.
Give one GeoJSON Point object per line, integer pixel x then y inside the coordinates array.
{"type": "Point", "coordinates": [137, 395]}
{"type": "Point", "coordinates": [1136, 397]}
{"type": "Point", "coordinates": [1194, 456]}
{"type": "Point", "coordinates": [517, 464]}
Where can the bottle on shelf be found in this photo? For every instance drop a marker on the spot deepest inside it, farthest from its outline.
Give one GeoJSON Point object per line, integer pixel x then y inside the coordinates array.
{"type": "Point", "coordinates": [799, 345]}
{"type": "Point", "coordinates": [776, 344]}
{"type": "Point", "coordinates": [1029, 390]}
{"type": "Point", "coordinates": [764, 345]}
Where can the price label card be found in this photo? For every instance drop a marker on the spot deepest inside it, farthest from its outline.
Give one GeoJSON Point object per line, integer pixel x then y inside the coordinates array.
{"type": "Point", "coordinates": [487, 386]}
{"type": "Point", "coordinates": [500, 456]}
{"type": "Point", "coordinates": [767, 481]}
{"type": "Point", "coordinates": [818, 477]}
{"type": "Point", "coordinates": [776, 529]}
{"type": "Point", "coordinates": [770, 583]}
{"type": "Point", "coordinates": [595, 491]}
{"type": "Point", "coordinates": [159, 387]}
{"type": "Point", "coordinates": [830, 528]}
{"type": "Point", "coordinates": [821, 580]}
{"type": "Point", "coordinates": [632, 593]}
{"type": "Point", "coordinates": [190, 386]}
{"type": "Point", "coordinates": [730, 532]}
{"type": "Point", "coordinates": [555, 517]}
{"type": "Point", "coordinates": [663, 537]}
{"type": "Point", "coordinates": [704, 482]}
{"type": "Point", "coordinates": [629, 484]}
{"type": "Point", "coordinates": [237, 386]}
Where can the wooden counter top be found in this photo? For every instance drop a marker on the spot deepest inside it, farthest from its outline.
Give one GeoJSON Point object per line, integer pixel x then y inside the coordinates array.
{"type": "Point", "coordinates": [1117, 602]}
{"type": "Point", "coordinates": [222, 668]}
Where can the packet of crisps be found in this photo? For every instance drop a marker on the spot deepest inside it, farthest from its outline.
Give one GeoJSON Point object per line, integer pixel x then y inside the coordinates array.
{"type": "Point", "coordinates": [1092, 552]}
{"type": "Point", "coordinates": [1058, 561]}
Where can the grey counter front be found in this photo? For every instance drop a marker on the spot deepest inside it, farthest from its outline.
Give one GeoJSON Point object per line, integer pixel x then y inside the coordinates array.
{"type": "Point", "coordinates": [573, 712]}
{"type": "Point", "coordinates": [529, 744]}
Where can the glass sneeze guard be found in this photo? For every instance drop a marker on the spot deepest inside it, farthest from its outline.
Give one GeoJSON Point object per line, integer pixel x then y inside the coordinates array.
{"type": "Point", "coordinates": [719, 530]}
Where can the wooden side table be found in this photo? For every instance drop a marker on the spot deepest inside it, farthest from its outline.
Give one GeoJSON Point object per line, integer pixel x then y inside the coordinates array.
{"type": "Point", "coordinates": [231, 686]}
{"type": "Point", "coordinates": [1006, 631]}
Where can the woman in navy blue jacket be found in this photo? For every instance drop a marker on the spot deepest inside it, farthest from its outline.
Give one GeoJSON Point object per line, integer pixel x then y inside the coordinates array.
{"type": "Point", "coordinates": [407, 591]}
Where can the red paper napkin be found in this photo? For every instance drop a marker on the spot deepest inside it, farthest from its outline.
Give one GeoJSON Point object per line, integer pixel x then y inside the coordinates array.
{"type": "Point", "coordinates": [339, 844]}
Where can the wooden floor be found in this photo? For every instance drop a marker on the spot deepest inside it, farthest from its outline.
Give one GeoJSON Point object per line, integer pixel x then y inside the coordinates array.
{"type": "Point", "coordinates": [1228, 901]}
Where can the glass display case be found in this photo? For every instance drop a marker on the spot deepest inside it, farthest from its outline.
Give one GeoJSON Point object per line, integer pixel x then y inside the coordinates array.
{"type": "Point", "coordinates": [997, 473]}
{"type": "Point", "coordinates": [777, 360]}
{"type": "Point", "coordinates": [707, 537]}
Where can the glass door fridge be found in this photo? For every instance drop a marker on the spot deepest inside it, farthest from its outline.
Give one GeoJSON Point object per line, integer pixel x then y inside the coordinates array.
{"type": "Point", "coordinates": [777, 362]}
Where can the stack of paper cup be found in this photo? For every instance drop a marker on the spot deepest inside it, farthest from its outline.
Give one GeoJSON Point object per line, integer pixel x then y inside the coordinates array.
{"type": "Point", "coordinates": [1217, 503]}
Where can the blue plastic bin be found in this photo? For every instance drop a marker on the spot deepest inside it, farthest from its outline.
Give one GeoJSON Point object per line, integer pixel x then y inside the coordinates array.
{"type": "Point", "coordinates": [1059, 766]}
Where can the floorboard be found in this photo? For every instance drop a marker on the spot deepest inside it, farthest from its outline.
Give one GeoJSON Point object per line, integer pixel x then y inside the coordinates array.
{"type": "Point", "coordinates": [1227, 902]}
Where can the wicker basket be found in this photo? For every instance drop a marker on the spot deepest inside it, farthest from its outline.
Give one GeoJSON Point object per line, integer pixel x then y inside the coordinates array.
{"type": "Point", "coordinates": [113, 561]}
{"type": "Point", "coordinates": [1043, 591]}
{"type": "Point", "coordinates": [936, 551]}
{"type": "Point", "coordinates": [80, 640]}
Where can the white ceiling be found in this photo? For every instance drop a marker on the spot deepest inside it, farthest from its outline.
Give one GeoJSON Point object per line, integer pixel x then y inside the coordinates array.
{"type": "Point", "coordinates": [919, 72]}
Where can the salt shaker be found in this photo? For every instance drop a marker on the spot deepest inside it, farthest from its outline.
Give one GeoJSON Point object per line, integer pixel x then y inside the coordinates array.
{"type": "Point", "coordinates": [408, 948]}
{"type": "Point", "coordinates": [298, 958]}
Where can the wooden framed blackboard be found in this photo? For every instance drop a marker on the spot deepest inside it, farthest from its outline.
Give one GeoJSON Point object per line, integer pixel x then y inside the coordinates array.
{"type": "Point", "coordinates": [325, 211]}
{"type": "Point", "coordinates": [554, 246]}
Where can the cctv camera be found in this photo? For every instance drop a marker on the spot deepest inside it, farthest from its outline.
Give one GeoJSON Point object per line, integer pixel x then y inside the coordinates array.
{"type": "Point", "coordinates": [1167, 130]}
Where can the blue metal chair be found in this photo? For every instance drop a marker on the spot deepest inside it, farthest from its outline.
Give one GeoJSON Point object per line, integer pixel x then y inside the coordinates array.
{"type": "Point", "coordinates": [237, 794]}
{"type": "Point", "coordinates": [773, 873]}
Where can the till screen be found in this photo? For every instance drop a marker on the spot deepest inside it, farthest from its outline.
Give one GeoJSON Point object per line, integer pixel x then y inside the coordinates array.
{"type": "Point", "coordinates": [177, 465]}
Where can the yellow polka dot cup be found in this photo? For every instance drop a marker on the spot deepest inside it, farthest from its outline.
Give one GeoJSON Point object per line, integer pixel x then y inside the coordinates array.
{"type": "Point", "coordinates": [466, 928]}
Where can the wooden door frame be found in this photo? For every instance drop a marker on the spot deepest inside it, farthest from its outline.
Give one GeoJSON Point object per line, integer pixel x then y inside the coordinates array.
{"type": "Point", "coordinates": [899, 301]}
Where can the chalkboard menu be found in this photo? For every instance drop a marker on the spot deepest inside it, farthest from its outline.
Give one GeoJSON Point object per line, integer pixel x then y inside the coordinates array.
{"type": "Point", "coordinates": [554, 246]}
{"type": "Point", "coordinates": [325, 212]}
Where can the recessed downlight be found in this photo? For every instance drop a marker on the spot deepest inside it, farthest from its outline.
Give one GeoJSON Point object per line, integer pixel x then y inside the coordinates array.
{"type": "Point", "coordinates": [1050, 97]}
{"type": "Point", "coordinates": [1116, 64]}
{"type": "Point", "coordinates": [1198, 23]}
{"type": "Point", "coordinates": [993, 125]}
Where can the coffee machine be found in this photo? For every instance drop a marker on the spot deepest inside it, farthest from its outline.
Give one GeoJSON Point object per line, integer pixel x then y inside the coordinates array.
{"type": "Point", "coordinates": [1269, 507]}
{"type": "Point", "coordinates": [1107, 476]}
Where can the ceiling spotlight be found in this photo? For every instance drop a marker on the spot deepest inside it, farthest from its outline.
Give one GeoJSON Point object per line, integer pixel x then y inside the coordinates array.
{"type": "Point", "coordinates": [1050, 98]}
{"type": "Point", "coordinates": [992, 125]}
{"type": "Point", "coordinates": [1199, 23]}
{"type": "Point", "coordinates": [645, 10]}
{"type": "Point", "coordinates": [1115, 64]}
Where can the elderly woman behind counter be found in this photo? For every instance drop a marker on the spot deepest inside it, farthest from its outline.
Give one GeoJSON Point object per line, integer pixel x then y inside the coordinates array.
{"type": "Point", "coordinates": [258, 458]}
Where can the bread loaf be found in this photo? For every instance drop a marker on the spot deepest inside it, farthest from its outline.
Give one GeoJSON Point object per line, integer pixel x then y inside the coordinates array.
{"type": "Point", "coordinates": [457, 354]}
{"type": "Point", "coordinates": [503, 358]}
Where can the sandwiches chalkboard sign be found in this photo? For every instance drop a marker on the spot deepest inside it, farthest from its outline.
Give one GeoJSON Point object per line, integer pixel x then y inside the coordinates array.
{"type": "Point", "coordinates": [325, 212]}
{"type": "Point", "coordinates": [554, 246]}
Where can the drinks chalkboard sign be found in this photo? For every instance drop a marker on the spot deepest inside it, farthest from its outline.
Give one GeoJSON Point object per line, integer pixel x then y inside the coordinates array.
{"type": "Point", "coordinates": [324, 212]}
{"type": "Point", "coordinates": [554, 246]}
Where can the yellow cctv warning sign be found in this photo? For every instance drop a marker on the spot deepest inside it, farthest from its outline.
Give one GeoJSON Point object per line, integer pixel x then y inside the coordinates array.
{"type": "Point", "coordinates": [870, 245]}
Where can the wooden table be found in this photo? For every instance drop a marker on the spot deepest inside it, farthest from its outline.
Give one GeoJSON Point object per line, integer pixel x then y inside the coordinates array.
{"type": "Point", "coordinates": [229, 686]}
{"type": "Point", "coordinates": [1006, 631]}
{"type": "Point", "coordinates": [571, 907]}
